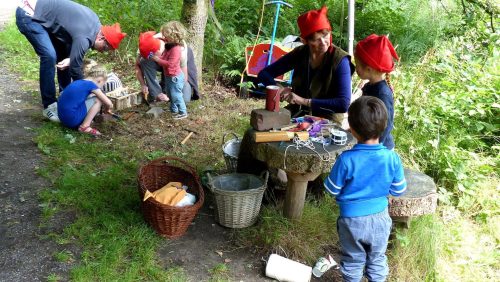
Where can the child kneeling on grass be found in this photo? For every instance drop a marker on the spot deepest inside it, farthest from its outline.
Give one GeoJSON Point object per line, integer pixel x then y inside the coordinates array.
{"type": "Point", "coordinates": [361, 180]}
{"type": "Point", "coordinates": [80, 101]}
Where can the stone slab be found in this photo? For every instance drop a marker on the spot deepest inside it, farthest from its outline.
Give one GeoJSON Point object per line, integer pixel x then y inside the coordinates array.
{"type": "Point", "coordinates": [154, 112]}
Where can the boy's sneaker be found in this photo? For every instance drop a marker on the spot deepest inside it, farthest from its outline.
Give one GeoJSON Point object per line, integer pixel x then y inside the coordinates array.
{"type": "Point", "coordinates": [51, 114]}
{"type": "Point", "coordinates": [180, 116]}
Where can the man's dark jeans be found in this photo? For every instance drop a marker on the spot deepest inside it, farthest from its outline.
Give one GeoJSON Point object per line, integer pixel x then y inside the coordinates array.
{"type": "Point", "coordinates": [41, 41]}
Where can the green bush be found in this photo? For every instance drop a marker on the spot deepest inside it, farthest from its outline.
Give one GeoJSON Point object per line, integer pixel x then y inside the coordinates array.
{"type": "Point", "coordinates": [447, 114]}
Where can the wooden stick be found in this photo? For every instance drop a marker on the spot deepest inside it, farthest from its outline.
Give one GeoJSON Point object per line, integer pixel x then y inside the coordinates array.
{"type": "Point", "coordinates": [279, 136]}
{"type": "Point", "coordinates": [187, 138]}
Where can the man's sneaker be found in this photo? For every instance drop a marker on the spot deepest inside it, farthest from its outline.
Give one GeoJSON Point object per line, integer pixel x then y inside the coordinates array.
{"type": "Point", "coordinates": [51, 114]}
{"type": "Point", "coordinates": [180, 116]}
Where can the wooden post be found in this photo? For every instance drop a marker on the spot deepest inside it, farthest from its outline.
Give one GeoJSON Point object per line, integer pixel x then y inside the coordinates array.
{"type": "Point", "coordinates": [296, 193]}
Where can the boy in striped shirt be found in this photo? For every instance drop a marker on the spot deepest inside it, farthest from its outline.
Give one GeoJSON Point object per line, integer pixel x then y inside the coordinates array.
{"type": "Point", "coordinates": [361, 179]}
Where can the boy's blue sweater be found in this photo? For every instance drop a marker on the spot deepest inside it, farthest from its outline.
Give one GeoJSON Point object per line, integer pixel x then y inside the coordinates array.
{"type": "Point", "coordinates": [363, 177]}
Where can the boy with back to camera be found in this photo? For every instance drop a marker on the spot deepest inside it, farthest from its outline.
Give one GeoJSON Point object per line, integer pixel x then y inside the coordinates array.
{"type": "Point", "coordinates": [361, 180]}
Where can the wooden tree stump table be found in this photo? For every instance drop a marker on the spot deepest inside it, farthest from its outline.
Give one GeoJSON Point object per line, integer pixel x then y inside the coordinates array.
{"type": "Point", "coordinates": [301, 165]}
{"type": "Point", "coordinates": [419, 198]}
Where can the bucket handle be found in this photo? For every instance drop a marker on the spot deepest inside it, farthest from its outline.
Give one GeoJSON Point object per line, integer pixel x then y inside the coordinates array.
{"type": "Point", "coordinates": [224, 137]}
{"type": "Point", "coordinates": [265, 176]}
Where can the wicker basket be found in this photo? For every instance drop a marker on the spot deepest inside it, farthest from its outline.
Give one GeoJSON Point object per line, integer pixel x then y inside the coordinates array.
{"type": "Point", "coordinates": [231, 149]}
{"type": "Point", "coordinates": [169, 221]}
{"type": "Point", "coordinates": [238, 197]}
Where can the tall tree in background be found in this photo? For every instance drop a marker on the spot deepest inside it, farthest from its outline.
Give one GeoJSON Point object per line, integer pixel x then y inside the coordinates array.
{"type": "Point", "coordinates": [194, 15]}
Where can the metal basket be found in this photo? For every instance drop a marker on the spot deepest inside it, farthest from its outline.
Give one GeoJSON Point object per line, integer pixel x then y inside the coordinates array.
{"type": "Point", "coordinates": [231, 149]}
{"type": "Point", "coordinates": [238, 197]}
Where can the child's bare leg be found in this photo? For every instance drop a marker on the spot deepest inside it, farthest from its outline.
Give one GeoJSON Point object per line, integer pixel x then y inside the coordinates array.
{"type": "Point", "coordinates": [92, 112]}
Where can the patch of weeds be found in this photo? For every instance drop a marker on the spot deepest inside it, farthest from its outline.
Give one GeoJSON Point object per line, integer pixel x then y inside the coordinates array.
{"type": "Point", "coordinates": [302, 240]}
{"type": "Point", "coordinates": [219, 273]}
{"type": "Point", "coordinates": [64, 256]}
{"type": "Point", "coordinates": [416, 246]}
{"type": "Point", "coordinates": [54, 278]}
{"type": "Point", "coordinates": [19, 55]}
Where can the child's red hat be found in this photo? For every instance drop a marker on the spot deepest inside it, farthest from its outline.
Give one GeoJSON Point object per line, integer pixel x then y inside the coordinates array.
{"type": "Point", "coordinates": [148, 43]}
{"type": "Point", "coordinates": [377, 52]}
{"type": "Point", "coordinates": [113, 34]}
{"type": "Point", "coordinates": [312, 21]}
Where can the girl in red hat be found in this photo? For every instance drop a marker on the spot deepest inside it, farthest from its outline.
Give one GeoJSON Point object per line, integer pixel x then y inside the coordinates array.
{"type": "Point", "coordinates": [374, 61]}
{"type": "Point", "coordinates": [321, 83]}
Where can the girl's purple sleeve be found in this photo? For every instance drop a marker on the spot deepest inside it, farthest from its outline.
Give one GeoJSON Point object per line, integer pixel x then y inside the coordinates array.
{"type": "Point", "coordinates": [342, 91]}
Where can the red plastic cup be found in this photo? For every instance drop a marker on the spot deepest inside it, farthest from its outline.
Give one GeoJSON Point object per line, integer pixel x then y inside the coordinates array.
{"type": "Point", "coordinates": [272, 98]}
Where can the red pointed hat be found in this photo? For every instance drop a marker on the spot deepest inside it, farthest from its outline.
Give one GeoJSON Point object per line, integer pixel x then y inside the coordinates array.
{"type": "Point", "coordinates": [148, 43]}
{"type": "Point", "coordinates": [377, 52]}
{"type": "Point", "coordinates": [312, 21]}
{"type": "Point", "coordinates": [113, 34]}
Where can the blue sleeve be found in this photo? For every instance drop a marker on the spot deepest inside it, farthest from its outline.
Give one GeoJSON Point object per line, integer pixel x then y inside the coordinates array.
{"type": "Point", "coordinates": [398, 185]}
{"type": "Point", "coordinates": [336, 179]}
{"type": "Point", "coordinates": [342, 91]}
{"type": "Point", "coordinates": [284, 64]}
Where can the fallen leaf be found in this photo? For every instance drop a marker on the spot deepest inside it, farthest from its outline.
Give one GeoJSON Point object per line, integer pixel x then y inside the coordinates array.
{"type": "Point", "coordinates": [219, 253]}
{"type": "Point", "coordinates": [227, 260]}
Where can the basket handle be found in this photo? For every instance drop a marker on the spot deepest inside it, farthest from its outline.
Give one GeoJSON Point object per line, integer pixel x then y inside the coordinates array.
{"type": "Point", "coordinates": [265, 175]}
{"type": "Point", "coordinates": [183, 162]}
{"type": "Point", "coordinates": [224, 137]}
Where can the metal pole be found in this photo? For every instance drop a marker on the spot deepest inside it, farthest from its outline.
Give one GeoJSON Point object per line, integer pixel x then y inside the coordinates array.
{"type": "Point", "coordinates": [278, 6]}
{"type": "Point", "coordinates": [350, 26]}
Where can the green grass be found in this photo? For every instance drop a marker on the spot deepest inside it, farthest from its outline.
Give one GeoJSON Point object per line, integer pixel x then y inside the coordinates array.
{"type": "Point", "coordinates": [64, 256]}
{"type": "Point", "coordinates": [305, 239]}
{"type": "Point", "coordinates": [219, 273]}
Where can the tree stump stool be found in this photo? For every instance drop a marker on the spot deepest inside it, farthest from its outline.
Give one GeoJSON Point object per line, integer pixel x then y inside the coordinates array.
{"type": "Point", "coordinates": [419, 198]}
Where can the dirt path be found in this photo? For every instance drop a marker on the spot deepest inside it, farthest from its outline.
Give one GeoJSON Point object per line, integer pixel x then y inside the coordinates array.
{"type": "Point", "coordinates": [26, 254]}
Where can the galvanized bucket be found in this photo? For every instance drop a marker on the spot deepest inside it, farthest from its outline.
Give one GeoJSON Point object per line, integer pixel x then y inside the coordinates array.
{"type": "Point", "coordinates": [231, 150]}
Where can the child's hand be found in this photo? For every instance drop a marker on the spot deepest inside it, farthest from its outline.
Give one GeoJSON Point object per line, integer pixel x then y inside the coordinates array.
{"type": "Point", "coordinates": [108, 107]}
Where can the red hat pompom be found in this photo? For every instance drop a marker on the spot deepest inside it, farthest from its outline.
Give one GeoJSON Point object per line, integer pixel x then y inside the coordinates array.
{"type": "Point", "coordinates": [113, 34]}
{"type": "Point", "coordinates": [148, 43]}
{"type": "Point", "coordinates": [312, 21]}
{"type": "Point", "coordinates": [377, 52]}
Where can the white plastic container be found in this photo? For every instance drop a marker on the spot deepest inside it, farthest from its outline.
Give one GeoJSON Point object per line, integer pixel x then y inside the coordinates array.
{"type": "Point", "coordinates": [286, 270]}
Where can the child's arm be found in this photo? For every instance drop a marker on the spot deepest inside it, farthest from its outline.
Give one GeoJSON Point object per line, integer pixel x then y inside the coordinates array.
{"type": "Point", "coordinates": [336, 179]}
{"type": "Point", "coordinates": [172, 61]}
{"type": "Point", "coordinates": [398, 185]}
{"type": "Point", "coordinates": [108, 105]}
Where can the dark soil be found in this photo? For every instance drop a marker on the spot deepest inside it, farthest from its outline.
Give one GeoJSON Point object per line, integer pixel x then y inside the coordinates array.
{"type": "Point", "coordinates": [26, 249]}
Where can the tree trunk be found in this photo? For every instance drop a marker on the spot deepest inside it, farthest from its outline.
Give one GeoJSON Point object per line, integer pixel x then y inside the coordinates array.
{"type": "Point", "coordinates": [194, 16]}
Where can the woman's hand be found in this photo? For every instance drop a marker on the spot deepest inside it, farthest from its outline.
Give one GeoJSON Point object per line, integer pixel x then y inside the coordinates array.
{"type": "Point", "coordinates": [295, 99]}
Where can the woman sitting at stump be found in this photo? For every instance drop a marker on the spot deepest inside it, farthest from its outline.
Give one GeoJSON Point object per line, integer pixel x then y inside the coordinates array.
{"type": "Point", "coordinates": [321, 82]}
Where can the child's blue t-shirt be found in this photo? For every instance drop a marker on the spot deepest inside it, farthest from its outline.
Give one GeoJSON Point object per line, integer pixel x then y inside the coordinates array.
{"type": "Point", "coordinates": [363, 177]}
{"type": "Point", "coordinates": [71, 104]}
